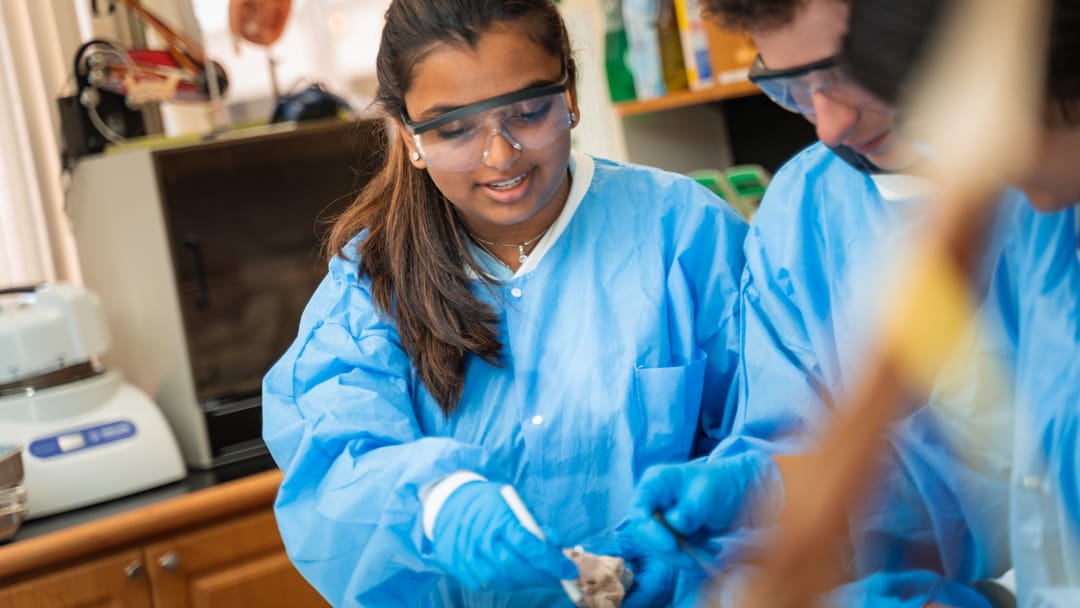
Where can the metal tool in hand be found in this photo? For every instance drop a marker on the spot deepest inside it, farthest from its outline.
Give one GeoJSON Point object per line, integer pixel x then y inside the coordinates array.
{"type": "Point", "coordinates": [573, 591]}
{"type": "Point", "coordinates": [700, 557]}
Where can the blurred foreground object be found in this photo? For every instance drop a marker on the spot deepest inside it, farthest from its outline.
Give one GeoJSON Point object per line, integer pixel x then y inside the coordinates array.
{"type": "Point", "coordinates": [976, 109]}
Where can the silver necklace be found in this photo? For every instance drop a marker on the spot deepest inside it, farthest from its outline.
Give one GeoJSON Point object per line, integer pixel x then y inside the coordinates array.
{"type": "Point", "coordinates": [522, 256]}
{"type": "Point", "coordinates": [493, 256]}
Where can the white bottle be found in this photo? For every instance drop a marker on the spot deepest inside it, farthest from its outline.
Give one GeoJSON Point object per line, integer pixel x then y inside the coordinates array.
{"type": "Point", "coordinates": [640, 17]}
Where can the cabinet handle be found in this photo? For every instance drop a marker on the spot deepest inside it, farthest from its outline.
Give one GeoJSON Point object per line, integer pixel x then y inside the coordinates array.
{"type": "Point", "coordinates": [133, 570]}
{"type": "Point", "coordinates": [170, 561]}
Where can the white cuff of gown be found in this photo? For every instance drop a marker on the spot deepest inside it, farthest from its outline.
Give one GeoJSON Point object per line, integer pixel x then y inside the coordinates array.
{"type": "Point", "coordinates": [436, 497]}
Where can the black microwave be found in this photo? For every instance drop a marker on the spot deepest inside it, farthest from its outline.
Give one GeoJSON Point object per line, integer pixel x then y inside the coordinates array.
{"type": "Point", "coordinates": [204, 256]}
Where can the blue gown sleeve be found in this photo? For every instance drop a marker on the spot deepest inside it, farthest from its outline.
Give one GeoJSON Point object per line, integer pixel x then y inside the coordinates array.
{"type": "Point", "coordinates": [1065, 593]}
{"type": "Point", "coordinates": [1045, 497]}
{"type": "Point", "coordinates": [339, 422]}
{"type": "Point", "coordinates": [780, 375]}
{"type": "Point", "coordinates": [710, 264]}
{"type": "Point", "coordinates": [914, 589]}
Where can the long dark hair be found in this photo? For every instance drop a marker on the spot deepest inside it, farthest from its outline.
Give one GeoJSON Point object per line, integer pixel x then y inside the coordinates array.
{"type": "Point", "coordinates": [414, 253]}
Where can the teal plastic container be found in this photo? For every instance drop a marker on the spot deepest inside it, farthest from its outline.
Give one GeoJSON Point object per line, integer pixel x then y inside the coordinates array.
{"type": "Point", "coordinates": [742, 186]}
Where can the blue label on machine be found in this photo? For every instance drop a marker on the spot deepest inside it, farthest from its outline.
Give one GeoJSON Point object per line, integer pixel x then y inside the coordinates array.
{"type": "Point", "coordinates": [82, 439]}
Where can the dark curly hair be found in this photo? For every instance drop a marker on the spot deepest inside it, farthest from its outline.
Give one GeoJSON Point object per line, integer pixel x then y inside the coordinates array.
{"type": "Point", "coordinates": [887, 40]}
{"type": "Point", "coordinates": [746, 15]}
{"type": "Point", "coordinates": [1063, 64]}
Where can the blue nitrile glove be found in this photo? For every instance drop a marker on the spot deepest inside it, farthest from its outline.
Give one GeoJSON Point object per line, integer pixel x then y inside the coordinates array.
{"type": "Point", "coordinates": [913, 589]}
{"type": "Point", "coordinates": [703, 499]}
{"type": "Point", "coordinates": [654, 577]}
{"type": "Point", "coordinates": [478, 540]}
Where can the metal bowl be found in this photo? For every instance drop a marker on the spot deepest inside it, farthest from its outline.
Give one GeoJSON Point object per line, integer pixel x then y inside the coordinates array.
{"type": "Point", "coordinates": [10, 519]}
{"type": "Point", "coordinates": [12, 511]}
{"type": "Point", "coordinates": [11, 466]}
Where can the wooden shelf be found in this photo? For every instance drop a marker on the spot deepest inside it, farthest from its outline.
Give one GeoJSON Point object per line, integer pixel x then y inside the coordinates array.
{"type": "Point", "coordinates": [687, 98]}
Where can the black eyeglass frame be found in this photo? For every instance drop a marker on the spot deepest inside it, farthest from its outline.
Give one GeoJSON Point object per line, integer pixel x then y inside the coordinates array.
{"type": "Point", "coordinates": [416, 128]}
{"type": "Point", "coordinates": [758, 71]}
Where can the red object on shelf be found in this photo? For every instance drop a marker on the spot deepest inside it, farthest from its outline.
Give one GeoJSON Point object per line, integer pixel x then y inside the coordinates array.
{"type": "Point", "coordinates": [180, 72]}
{"type": "Point", "coordinates": [259, 21]}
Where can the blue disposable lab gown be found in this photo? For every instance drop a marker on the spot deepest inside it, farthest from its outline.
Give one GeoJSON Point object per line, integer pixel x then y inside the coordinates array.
{"type": "Point", "coordinates": [620, 351]}
{"type": "Point", "coordinates": [820, 242]}
{"type": "Point", "coordinates": [1036, 293]}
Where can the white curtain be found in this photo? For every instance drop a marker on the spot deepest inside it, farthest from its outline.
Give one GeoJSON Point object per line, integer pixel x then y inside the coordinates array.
{"type": "Point", "coordinates": [37, 41]}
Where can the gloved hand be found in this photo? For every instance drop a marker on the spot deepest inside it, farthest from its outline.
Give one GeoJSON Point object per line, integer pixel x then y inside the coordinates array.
{"type": "Point", "coordinates": [654, 578]}
{"type": "Point", "coordinates": [701, 500]}
{"type": "Point", "coordinates": [913, 589]}
{"type": "Point", "coordinates": [478, 540]}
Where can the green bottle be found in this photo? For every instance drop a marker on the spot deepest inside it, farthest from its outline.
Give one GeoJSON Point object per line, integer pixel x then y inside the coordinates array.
{"type": "Point", "coordinates": [619, 78]}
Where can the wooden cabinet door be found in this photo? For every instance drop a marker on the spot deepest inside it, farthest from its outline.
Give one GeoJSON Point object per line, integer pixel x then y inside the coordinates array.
{"type": "Point", "coordinates": [241, 562]}
{"type": "Point", "coordinates": [118, 581]}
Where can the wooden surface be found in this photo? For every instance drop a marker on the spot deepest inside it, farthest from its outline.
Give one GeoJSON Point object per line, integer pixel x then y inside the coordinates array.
{"type": "Point", "coordinates": [687, 98]}
{"type": "Point", "coordinates": [731, 56]}
{"type": "Point", "coordinates": [120, 531]}
{"type": "Point", "coordinates": [240, 562]}
{"type": "Point", "coordinates": [114, 582]}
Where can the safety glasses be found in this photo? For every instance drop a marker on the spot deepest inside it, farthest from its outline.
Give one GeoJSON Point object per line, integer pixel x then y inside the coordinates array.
{"type": "Point", "coordinates": [460, 140]}
{"type": "Point", "coordinates": [793, 89]}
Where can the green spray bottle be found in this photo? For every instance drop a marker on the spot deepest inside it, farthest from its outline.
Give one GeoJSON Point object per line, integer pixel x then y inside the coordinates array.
{"type": "Point", "coordinates": [616, 48]}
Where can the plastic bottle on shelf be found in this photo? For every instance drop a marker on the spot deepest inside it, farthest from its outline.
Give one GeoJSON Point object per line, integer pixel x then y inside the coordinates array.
{"type": "Point", "coordinates": [620, 79]}
{"type": "Point", "coordinates": [695, 44]}
{"type": "Point", "coordinates": [672, 65]}
{"type": "Point", "coordinates": [640, 17]}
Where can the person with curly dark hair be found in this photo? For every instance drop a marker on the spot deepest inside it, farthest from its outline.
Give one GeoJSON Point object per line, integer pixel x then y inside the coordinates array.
{"type": "Point", "coordinates": [827, 225]}
{"type": "Point", "coordinates": [1032, 312]}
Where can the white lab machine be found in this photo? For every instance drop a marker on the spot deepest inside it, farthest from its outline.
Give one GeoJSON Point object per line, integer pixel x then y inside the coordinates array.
{"type": "Point", "coordinates": [87, 435]}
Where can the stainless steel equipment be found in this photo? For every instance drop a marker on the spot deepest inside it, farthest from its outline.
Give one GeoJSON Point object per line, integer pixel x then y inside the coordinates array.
{"type": "Point", "coordinates": [11, 466]}
{"type": "Point", "coordinates": [12, 493]}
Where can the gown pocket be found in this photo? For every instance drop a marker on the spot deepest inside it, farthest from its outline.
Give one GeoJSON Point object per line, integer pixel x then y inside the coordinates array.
{"type": "Point", "coordinates": [668, 401]}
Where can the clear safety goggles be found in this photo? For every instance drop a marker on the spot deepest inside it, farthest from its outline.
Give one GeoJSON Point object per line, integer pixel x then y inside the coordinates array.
{"type": "Point", "coordinates": [793, 89]}
{"type": "Point", "coordinates": [460, 140]}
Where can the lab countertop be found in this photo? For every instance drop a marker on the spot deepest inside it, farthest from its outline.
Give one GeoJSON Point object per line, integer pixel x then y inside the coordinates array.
{"type": "Point", "coordinates": [201, 496]}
